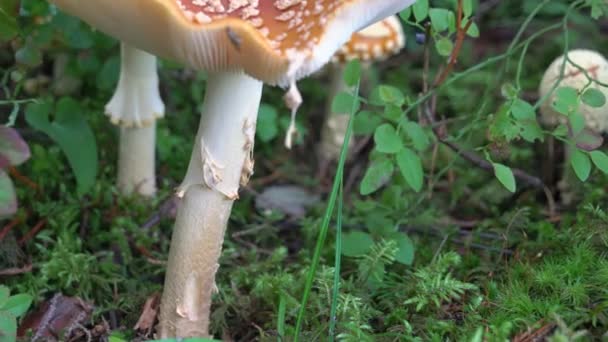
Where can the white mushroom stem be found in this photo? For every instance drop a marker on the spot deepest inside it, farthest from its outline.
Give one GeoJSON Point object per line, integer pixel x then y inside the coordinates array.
{"type": "Point", "coordinates": [136, 160]}
{"type": "Point", "coordinates": [220, 162]}
{"type": "Point", "coordinates": [334, 124]}
{"type": "Point", "coordinates": [135, 106]}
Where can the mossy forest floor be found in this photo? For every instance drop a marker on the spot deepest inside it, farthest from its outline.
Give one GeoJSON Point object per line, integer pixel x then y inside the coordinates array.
{"type": "Point", "coordinates": [462, 260]}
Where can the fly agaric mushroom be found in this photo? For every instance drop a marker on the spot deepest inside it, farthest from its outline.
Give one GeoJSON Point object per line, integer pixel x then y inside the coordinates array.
{"type": "Point", "coordinates": [135, 106]}
{"type": "Point", "coordinates": [277, 42]}
{"type": "Point", "coordinates": [596, 119]}
{"type": "Point", "coordinates": [376, 42]}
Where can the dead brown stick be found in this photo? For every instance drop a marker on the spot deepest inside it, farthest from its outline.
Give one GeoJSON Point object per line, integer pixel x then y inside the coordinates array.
{"type": "Point", "coordinates": [29, 235]}
{"type": "Point", "coordinates": [16, 270]}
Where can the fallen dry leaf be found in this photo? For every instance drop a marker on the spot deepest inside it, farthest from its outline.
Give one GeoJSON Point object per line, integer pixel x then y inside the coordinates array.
{"type": "Point", "coordinates": [56, 318]}
{"type": "Point", "coordinates": [147, 318]}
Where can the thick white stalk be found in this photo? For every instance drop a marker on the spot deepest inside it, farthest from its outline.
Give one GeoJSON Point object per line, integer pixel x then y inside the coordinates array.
{"type": "Point", "coordinates": [221, 161]}
{"type": "Point", "coordinates": [135, 106]}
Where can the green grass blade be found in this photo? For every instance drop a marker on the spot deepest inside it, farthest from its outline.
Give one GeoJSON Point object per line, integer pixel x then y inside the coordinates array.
{"type": "Point", "coordinates": [336, 289]}
{"type": "Point", "coordinates": [281, 317]}
{"type": "Point", "coordinates": [326, 219]}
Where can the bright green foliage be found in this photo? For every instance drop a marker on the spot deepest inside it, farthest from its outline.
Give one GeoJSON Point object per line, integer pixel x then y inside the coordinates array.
{"type": "Point", "coordinates": [504, 176]}
{"type": "Point", "coordinates": [378, 174]}
{"type": "Point", "coordinates": [387, 140]}
{"type": "Point", "coordinates": [267, 127]}
{"type": "Point", "coordinates": [70, 130]}
{"type": "Point", "coordinates": [410, 166]}
{"type": "Point", "coordinates": [593, 98]}
{"type": "Point", "coordinates": [581, 164]}
{"type": "Point", "coordinates": [435, 285]}
{"type": "Point", "coordinates": [11, 308]}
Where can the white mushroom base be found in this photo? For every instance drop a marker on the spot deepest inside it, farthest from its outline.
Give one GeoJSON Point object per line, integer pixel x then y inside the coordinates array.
{"type": "Point", "coordinates": [220, 162]}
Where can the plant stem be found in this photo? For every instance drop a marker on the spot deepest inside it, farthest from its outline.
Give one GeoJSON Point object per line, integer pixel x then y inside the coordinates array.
{"type": "Point", "coordinates": [221, 160]}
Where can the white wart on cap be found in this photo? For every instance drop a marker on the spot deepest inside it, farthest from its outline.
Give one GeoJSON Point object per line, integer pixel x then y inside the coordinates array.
{"type": "Point", "coordinates": [276, 41]}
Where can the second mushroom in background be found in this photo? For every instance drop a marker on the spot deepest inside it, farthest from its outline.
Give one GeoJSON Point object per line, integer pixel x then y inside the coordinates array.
{"type": "Point", "coordinates": [595, 66]}
{"type": "Point", "coordinates": [374, 43]}
{"type": "Point", "coordinates": [135, 107]}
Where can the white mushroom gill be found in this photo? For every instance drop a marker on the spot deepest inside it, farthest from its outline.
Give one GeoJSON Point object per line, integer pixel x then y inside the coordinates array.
{"type": "Point", "coordinates": [134, 107]}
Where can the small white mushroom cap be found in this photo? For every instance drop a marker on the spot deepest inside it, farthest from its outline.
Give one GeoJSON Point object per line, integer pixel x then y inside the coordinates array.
{"type": "Point", "coordinates": [596, 66]}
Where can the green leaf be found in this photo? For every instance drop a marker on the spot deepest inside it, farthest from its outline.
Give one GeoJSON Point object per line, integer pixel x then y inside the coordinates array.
{"type": "Point", "coordinates": [473, 31]}
{"type": "Point", "coordinates": [390, 94]}
{"type": "Point", "coordinates": [366, 122]}
{"type": "Point", "coordinates": [268, 125]}
{"type": "Point", "coordinates": [560, 131]}
{"type": "Point", "coordinates": [4, 293]}
{"type": "Point", "coordinates": [352, 73]}
{"type": "Point", "coordinates": [343, 103]}
{"type": "Point", "coordinates": [17, 305]}
{"type": "Point", "coordinates": [444, 46]}
{"type": "Point", "coordinates": [419, 137]}
{"type": "Point", "coordinates": [580, 163]}
{"type": "Point", "coordinates": [116, 339]}
{"type": "Point", "coordinates": [392, 113]}
{"type": "Point", "coordinates": [72, 133]}
{"type": "Point", "coordinates": [410, 166]}
{"type": "Point", "coordinates": [594, 98]}
{"type": "Point", "coordinates": [439, 19]}
{"type": "Point", "coordinates": [577, 122]}
{"type": "Point", "coordinates": [406, 13]}
{"type": "Point", "coordinates": [522, 110]}
{"type": "Point", "coordinates": [566, 100]}
{"type": "Point", "coordinates": [467, 8]}
{"type": "Point", "coordinates": [509, 91]}
{"type": "Point", "coordinates": [8, 327]}
{"type": "Point", "coordinates": [530, 130]}
{"type": "Point", "coordinates": [8, 25]}
{"type": "Point", "coordinates": [421, 10]}
{"type": "Point", "coordinates": [600, 159]}
{"type": "Point", "coordinates": [387, 140]}
{"type": "Point", "coordinates": [8, 199]}
{"type": "Point", "coordinates": [108, 74]}
{"type": "Point", "coordinates": [377, 174]}
{"type": "Point", "coordinates": [406, 249]}
{"type": "Point", "coordinates": [505, 176]}
{"type": "Point", "coordinates": [356, 243]}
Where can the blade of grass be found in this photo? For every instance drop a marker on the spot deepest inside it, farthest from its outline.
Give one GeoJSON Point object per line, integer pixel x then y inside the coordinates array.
{"type": "Point", "coordinates": [326, 218]}
{"type": "Point", "coordinates": [281, 317]}
{"type": "Point", "coordinates": [336, 289]}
